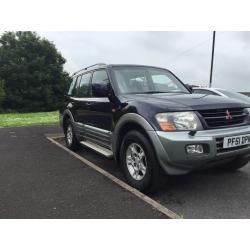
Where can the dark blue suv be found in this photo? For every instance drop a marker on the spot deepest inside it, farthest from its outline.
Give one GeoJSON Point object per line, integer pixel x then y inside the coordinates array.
{"type": "Point", "coordinates": [152, 124]}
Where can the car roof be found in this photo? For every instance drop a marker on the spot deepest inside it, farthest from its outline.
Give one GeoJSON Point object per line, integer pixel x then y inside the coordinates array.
{"type": "Point", "coordinates": [135, 65]}
{"type": "Point", "coordinates": [103, 66]}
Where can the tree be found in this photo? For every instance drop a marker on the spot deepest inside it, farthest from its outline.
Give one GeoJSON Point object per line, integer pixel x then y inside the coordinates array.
{"type": "Point", "coordinates": [2, 93]}
{"type": "Point", "coordinates": [32, 69]}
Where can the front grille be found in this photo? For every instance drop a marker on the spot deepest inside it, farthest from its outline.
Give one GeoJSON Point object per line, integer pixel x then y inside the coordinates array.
{"type": "Point", "coordinates": [215, 118]}
{"type": "Point", "coordinates": [220, 149]}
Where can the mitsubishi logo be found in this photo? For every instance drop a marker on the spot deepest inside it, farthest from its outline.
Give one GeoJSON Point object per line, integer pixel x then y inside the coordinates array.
{"type": "Point", "coordinates": [228, 115]}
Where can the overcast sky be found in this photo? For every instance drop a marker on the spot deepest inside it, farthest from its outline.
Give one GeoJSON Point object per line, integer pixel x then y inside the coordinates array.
{"type": "Point", "coordinates": [187, 54]}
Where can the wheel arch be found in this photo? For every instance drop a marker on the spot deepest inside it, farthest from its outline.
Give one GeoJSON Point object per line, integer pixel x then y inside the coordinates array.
{"type": "Point", "coordinates": [127, 123]}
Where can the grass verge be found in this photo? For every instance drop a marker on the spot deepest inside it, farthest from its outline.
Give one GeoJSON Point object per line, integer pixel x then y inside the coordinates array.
{"type": "Point", "coordinates": [22, 119]}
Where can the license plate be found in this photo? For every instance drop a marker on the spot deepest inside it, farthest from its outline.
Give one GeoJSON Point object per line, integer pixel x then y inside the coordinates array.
{"type": "Point", "coordinates": [235, 141]}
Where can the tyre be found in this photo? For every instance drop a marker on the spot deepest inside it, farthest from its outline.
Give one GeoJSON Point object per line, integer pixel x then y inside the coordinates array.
{"type": "Point", "coordinates": [70, 137]}
{"type": "Point", "coordinates": [139, 162]}
{"type": "Point", "coordinates": [235, 164]}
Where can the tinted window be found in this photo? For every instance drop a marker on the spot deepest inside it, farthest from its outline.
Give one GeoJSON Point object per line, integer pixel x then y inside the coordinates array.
{"type": "Point", "coordinates": [137, 80]}
{"type": "Point", "coordinates": [100, 76]}
{"type": "Point", "coordinates": [72, 85]}
{"type": "Point", "coordinates": [77, 81]}
{"type": "Point", "coordinates": [82, 86]}
{"type": "Point", "coordinates": [204, 92]}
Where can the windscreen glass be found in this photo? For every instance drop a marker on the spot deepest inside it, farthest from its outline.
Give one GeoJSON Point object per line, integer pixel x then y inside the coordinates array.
{"type": "Point", "coordinates": [143, 80]}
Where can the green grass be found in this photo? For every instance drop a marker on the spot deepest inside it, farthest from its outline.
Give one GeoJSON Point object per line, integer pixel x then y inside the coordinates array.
{"type": "Point", "coordinates": [22, 119]}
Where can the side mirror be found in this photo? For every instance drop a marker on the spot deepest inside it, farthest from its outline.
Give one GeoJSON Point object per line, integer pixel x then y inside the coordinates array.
{"type": "Point", "coordinates": [100, 89]}
{"type": "Point", "coordinates": [190, 88]}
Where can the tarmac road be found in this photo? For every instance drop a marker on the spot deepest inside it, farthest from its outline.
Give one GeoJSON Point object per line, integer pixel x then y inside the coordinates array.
{"type": "Point", "coordinates": [40, 180]}
{"type": "Point", "coordinates": [209, 193]}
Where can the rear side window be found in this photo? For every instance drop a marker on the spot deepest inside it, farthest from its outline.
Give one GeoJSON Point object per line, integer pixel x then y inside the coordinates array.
{"type": "Point", "coordinates": [100, 76]}
{"type": "Point", "coordinates": [71, 88]}
{"type": "Point", "coordinates": [82, 86]}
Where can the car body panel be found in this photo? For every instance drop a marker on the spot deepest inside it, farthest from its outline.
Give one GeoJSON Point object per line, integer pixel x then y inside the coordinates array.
{"type": "Point", "coordinates": [220, 92]}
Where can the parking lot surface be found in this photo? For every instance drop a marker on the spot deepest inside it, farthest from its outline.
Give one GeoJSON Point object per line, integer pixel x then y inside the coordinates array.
{"type": "Point", "coordinates": [208, 193]}
{"type": "Point", "coordinates": [40, 180]}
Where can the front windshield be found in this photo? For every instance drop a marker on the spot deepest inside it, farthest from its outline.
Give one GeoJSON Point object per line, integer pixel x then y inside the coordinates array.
{"type": "Point", "coordinates": [146, 80]}
{"type": "Point", "coordinates": [235, 95]}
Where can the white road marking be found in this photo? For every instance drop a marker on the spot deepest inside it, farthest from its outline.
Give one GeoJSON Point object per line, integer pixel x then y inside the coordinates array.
{"type": "Point", "coordinates": [121, 183]}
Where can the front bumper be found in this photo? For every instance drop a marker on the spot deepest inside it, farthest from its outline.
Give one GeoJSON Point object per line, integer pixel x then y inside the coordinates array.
{"type": "Point", "coordinates": [170, 149]}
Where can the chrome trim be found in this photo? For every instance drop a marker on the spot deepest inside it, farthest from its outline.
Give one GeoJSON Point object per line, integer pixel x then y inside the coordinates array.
{"type": "Point", "coordinates": [91, 99]}
{"type": "Point", "coordinates": [104, 151]}
{"type": "Point", "coordinates": [101, 142]}
{"type": "Point", "coordinates": [98, 129]}
{"type": "Point", "coordinates": [91, 66]}
{"type": "Point", "coordinates": [95, 135]}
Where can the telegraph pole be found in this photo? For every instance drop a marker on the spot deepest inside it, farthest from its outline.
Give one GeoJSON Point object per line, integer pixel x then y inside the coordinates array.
{"type": "Point", "coordinates": [212, 61]}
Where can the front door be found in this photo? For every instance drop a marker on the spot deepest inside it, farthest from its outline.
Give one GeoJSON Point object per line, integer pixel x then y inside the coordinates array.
{"type": "Point", "coordinates": [99, 117]}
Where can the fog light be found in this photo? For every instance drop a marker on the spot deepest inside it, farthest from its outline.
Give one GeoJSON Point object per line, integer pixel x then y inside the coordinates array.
{"type": "Point", "coordinates": [194, 149]}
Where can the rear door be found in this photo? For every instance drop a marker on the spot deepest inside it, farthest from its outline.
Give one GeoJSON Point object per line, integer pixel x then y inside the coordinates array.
{"type": "Point", "coordinates": [71, 96]}
{"type": "Point", "coordinates": [81, 96]}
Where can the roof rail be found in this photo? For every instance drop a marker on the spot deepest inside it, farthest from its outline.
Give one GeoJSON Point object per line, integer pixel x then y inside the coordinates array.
{"type": "Point", "coordinates": [97, 64]}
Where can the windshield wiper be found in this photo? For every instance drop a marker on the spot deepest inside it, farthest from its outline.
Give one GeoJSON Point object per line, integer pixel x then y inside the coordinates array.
{"type": "Point", "coordinates": [154, 92]}
{"type": "Point", "coordinates": [159, 92]}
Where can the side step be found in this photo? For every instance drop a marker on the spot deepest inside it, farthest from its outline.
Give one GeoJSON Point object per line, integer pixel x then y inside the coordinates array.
{"type": "Point", "coordinates": [99, 149]}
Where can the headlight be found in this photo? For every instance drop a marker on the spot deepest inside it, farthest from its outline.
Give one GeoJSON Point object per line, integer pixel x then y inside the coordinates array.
{"type": "Point", "coordinates": [248, 110]}
{"type": "Point", "coordinates": [178, 121]}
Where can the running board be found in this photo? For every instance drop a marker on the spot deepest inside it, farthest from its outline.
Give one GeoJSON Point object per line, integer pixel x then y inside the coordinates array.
{"type": "Point", "coordinates": [104, 151]}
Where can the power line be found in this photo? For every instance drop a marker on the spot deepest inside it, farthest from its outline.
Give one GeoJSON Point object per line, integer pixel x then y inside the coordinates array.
{"type": "Point", "coordinates": [194, 47]}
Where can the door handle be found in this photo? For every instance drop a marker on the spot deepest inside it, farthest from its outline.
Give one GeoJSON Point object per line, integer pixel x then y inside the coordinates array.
{"type": "Point", "coordinates": [88, 103]}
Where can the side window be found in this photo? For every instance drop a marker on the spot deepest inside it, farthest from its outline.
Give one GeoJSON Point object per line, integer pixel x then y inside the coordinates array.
{"type": "Point", "coordinates": [71, 88]}
{"type": "Point", "coordinates": [82, 88]}
{"type": "Point", "coordinates": [76, 85]}
{"type": "Point", "coordinates": [100, 76]}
